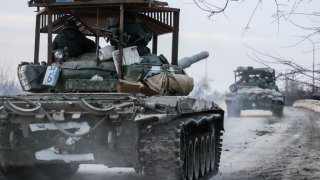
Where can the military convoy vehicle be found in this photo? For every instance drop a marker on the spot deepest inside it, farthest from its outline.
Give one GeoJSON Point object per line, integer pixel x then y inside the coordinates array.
{"type": "Point", "coordinates": [121, 106]}
{"type": "Point", "coordinates": [254, 88]}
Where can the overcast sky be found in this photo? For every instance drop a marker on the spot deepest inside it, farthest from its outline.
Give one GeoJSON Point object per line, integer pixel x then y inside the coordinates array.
{"type": "Point", "coordinates": [222, 37]}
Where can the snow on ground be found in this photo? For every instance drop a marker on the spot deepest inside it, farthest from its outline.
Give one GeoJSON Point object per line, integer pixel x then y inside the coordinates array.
{"type": "Point", "coordinates": [308, 104]}
{"type": "Point", "coordinates": [247, 141]}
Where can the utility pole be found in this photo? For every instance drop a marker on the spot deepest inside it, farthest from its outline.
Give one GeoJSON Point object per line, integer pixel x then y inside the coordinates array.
{"type": "Point", "coordinates": [313, 85]}
{"type": "Point", "coordinates": [313, 50]}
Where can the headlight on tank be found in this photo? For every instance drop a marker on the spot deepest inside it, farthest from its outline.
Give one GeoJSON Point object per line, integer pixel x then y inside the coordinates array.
{"type": "Point", "coordinates": [58, 54]}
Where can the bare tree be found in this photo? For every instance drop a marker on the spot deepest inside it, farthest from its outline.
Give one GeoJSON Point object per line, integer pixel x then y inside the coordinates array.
{"type": "Point", "coordinates": [211, 8]}
{"type": "Point", "coordinates": [284, 11]}
{"type": "Point", "coordinates": [295, 91]}
{"type": "Point", "coordinates": [300, 81]}
{"type": "Point", "coordinates": [201, 87]}
{"type": "Point", "coordinates": [7, 85]}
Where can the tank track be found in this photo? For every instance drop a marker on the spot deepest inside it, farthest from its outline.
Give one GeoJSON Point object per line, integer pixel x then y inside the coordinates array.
{"type": "Point", "coordinates": [164, 148]}
{"type": "Point", "coordinates": [3, 144]}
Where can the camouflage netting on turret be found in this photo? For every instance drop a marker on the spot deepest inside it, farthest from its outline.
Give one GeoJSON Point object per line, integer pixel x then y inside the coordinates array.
{"type": "Point", "coordinates": [258, 93]}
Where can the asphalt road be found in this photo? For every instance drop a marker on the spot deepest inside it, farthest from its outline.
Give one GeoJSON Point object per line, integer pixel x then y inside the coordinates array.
{"type": "Point", "coordinates": [255, 146]}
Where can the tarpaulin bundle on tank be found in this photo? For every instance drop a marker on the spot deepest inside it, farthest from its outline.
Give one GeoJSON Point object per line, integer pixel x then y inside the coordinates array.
{"type": "Point", "coordinates": [169, 83]}
{"type": "Point", "coordinates": [258, 93]}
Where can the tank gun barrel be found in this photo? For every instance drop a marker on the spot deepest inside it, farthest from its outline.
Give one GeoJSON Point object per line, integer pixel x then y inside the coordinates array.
{"type": "Point", "coordinates": [188, 61]}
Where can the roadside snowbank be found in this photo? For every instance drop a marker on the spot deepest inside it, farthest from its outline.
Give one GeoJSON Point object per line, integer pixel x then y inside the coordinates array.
{"type": "Point", "coordinates": [309, 104]}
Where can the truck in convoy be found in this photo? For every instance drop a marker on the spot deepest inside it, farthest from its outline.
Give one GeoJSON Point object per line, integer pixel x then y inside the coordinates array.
{"type": "Point", "coordinates": [121, 105]}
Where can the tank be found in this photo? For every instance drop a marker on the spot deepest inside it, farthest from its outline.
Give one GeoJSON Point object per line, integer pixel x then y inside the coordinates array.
{"type": "Point", "coordinates": [121, 105]}
{"type": "Point", "coordinates": [254, 89]}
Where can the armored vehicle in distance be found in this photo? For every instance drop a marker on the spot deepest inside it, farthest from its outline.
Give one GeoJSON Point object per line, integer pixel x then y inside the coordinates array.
{"type": "Point", "coordinates": [254, 88]}
{"type": "Point", "coordinates": [121, 106]}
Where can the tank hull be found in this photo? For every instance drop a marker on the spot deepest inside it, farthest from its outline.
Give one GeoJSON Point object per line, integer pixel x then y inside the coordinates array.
{"type": "Point", "coordinates": [117, 130]}
{"type": "Point", "coordinates": [255, 99]}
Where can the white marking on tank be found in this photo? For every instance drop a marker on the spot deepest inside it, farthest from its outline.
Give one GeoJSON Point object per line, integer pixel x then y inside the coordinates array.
{"type": "Point", "coordinates": [83, 129]}
{"type": "Point", "coordinates": [50, 154]}
{"type": "Point", "coordinates": [50, 126]}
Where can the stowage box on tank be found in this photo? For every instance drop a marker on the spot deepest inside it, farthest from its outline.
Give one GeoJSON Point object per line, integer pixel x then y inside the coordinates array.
{"type": "Point", "coordinates": [121, 105]}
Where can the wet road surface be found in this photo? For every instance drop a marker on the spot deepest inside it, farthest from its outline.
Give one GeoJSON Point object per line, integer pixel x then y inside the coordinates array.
{"type": "Point", "coordinates": [264, 147]}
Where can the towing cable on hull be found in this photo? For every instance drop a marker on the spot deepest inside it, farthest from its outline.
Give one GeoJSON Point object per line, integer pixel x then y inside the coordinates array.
{"type": "Point", "coordinates": [37, 107]}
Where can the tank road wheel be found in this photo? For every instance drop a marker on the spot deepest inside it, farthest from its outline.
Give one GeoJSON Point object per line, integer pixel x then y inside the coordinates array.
{"type": "Point", "coordinates": [208, 153]}
{"type": "Point", "coordinates": [202, 156]}
{"type": "Point", "coordinates": [189, 160]}
{"type": "Point", "coordinates": [212, 151]}
{"type": "Point", "coordinates": [196, 155]}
